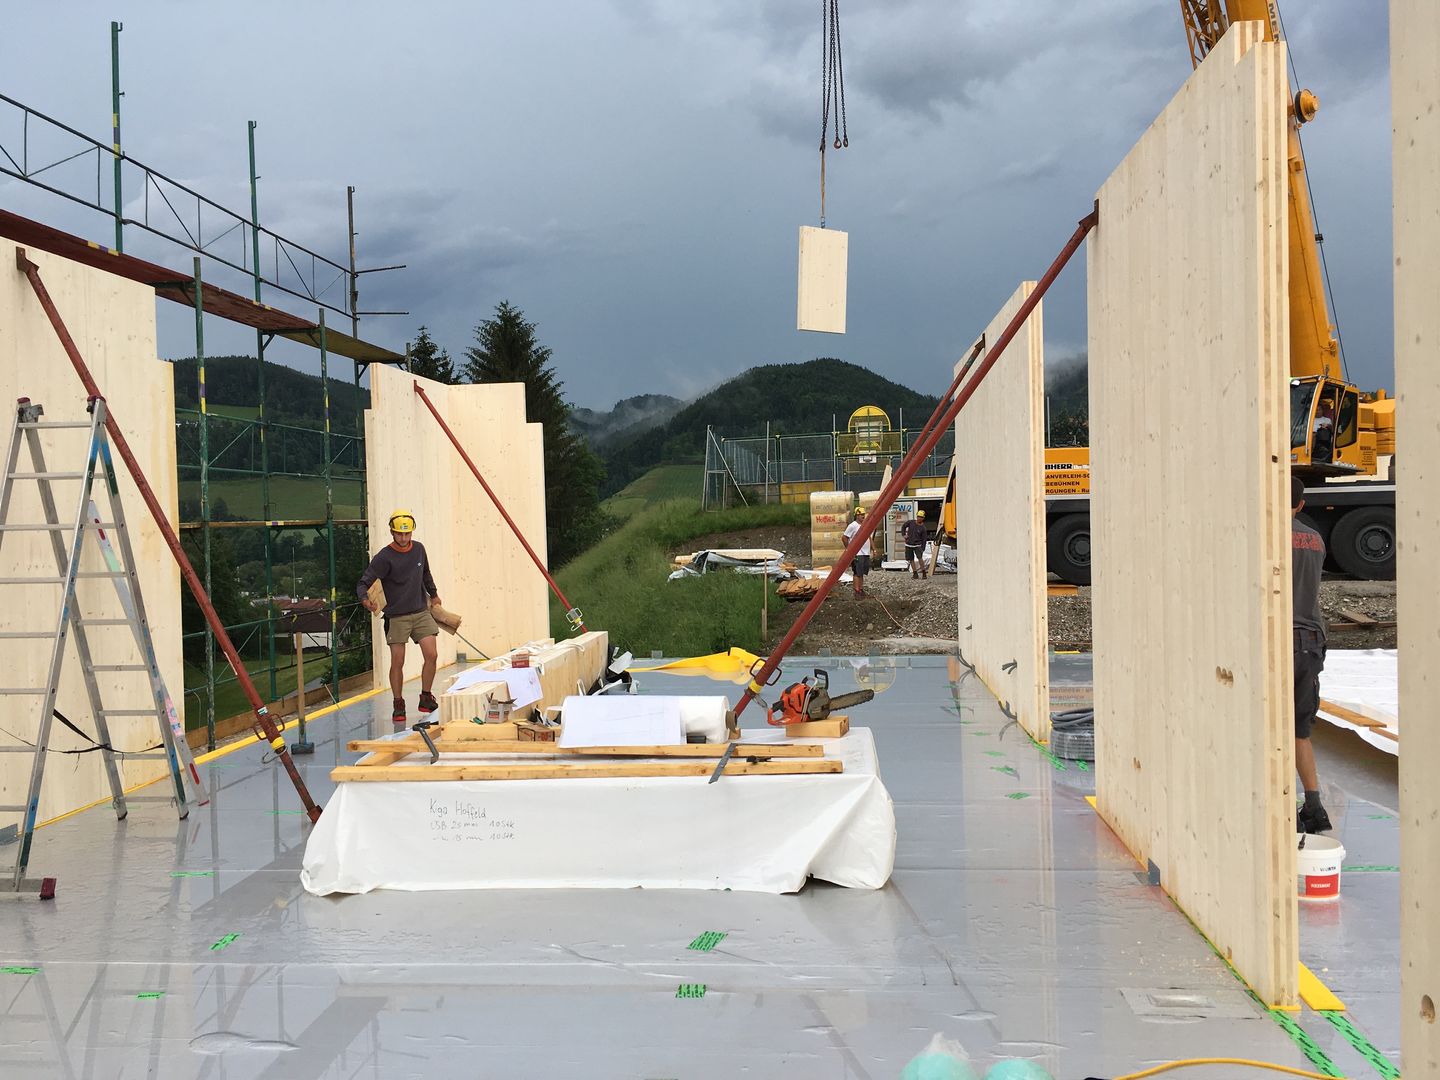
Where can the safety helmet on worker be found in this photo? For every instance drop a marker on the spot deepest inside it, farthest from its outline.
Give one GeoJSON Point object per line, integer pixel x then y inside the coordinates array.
{"type": "Point", "coordinates": [402, 521]}
{"type": "Point", "coordinates": [860, 511]}
{"type": "Point", "coordinates": [919, 515]}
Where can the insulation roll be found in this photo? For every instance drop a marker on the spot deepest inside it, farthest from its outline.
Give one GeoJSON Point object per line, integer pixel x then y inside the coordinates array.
{"type": "Point", "coordinates": [705, 716]}
{"type": "Point", "coordinates": [831, 502]}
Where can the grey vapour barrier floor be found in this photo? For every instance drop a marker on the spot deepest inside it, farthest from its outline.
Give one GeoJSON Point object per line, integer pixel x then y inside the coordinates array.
{"type": "Point", "coordinates": [1015, 923]}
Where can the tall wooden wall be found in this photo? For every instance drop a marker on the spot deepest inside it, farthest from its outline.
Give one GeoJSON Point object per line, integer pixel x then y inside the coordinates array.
{"type": "Point", "coordinates": [1415, 88]}
{"type": "Point", "coordinates": [113, 322]}
{"type": "Point", "coordinates": [1189, 444]}
{"type": "Point", "coordinates": [481, 570]}
{"type": "Point", "coordinates": [1000, 523]}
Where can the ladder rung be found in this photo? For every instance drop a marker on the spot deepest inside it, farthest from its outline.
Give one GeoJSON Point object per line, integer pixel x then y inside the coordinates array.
{"type": "Point", "coordinates": [11, 810]}
{"type": "Point", "coordinates": [31, 580]}
{"type": "Point", "coordinates": [119, 667]}
{"type": "Point", "coordinates": [23, 690]}
{"type": "Point", "coordinates": [55, 424]}
{"type": "Point", "coordinates": [143, 757]}
{"type": "Point", "coordinates": [17, 749]}
{"type": "Point", "coordinates": [148, 798]}
{"type": "Point", "coordinates": [58, 527]}
{"type": "Point", "coordinates": [47, 476]}
{"type": "Point", "coordinates": [126, 712]}
{"type": "Point", "coordinates": [13, 634]}
{"type": "Point", "coordinates": [104, 622]}
{"type": "Point", "coordinates": [103, 573]}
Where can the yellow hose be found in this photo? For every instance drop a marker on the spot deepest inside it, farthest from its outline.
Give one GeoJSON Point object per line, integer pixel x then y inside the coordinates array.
{"type": "Point", "coordinates": [1158, 1069]}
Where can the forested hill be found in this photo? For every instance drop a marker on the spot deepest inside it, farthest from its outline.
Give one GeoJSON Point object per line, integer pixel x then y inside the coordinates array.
{"type": "Point", "coordinates": [795, 398]}
{"type": "Point", "coordinates": [291, 397]}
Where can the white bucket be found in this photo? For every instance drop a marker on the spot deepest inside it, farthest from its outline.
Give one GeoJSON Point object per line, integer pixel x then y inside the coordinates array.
{"type": "Point", "coordinates": [1318, 867]}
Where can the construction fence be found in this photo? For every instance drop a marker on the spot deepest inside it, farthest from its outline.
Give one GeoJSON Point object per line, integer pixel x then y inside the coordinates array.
{"type": "Point", "coordinates": [775, 468]}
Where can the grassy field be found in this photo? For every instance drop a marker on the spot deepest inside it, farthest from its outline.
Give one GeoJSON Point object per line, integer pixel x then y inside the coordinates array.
{"type": "Point", "coordinates": [620, 584]}
{"type": "Point", "coordinates": [230, 699]}
{"type": "Point", "coordinates": [291, 497]}
{"type": "Point", "coordinates": [661, 484]}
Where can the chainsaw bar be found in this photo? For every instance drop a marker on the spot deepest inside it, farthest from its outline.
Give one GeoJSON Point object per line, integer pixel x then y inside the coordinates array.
{"type": "Point", "coordinates": [859, 697]}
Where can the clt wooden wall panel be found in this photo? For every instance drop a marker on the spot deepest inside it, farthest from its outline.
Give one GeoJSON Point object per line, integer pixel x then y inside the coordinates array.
{"type": "Point", "coordinates": [820, 297]}
{"type": "Point", "coordinates": [113, 322]}
{"type": "Point", "coordinates": [479, 567]}
{"type": "Point", "coordinates": [1189, 355]}
{"type": "Point", "coordinates": [1415, 88]}
{"type": "Point", "coordinates": [1000, 523]}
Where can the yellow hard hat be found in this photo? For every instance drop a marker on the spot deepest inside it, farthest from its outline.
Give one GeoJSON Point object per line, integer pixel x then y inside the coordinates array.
{"type": "Point", "coordinates": [860, 511]}
{"type": "Point", "coordinates": [402, 521]}
{"type": "Point", "coordinates": [919, 515]}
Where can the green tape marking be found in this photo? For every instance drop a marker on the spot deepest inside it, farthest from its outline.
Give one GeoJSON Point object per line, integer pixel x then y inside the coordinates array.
{"type": "Point", "coordinates": [1008, 770]}
{"type": "Point", "coordinates": [691, 990]}
{"type": "Point", "coordinates": [1378, 1061]}
{"type": "Point", "coordinates": [19, 971]}
{"type": "Point", "coordinates": [151, 995]}
{"type": "Point", "coordinates": [1082, 765]}
{"type": "Point", "coordinates": [1018, 795]}
{"type": "Point", "coordinates": [1381, 817]}
{"type": "Point", "coordinates": [1307, 1045]}
{"type": "Point", "coordinates": [192, 873]}
{"type": "Point", "coordinates": [994, 753]}
{"type": "Point", "coordinates": [708, 940]}
{"type": "Point", "coordinates": [224, 941]}
{"type": "Point", "coordinates": [1372, 869]}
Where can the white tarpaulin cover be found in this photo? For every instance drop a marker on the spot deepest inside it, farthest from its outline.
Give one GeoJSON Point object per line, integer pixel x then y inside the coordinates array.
{"type": "Point", "coordinates": [1365, 682]}
{"type": "Point", "coordinates": [750, 833]}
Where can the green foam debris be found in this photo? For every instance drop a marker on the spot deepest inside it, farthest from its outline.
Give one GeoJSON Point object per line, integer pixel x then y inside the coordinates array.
{"type": "Point", "coordinates": [708, 940]}
{"type": "Point", "coordinates": [150, 995]}
{"type": "Point", "coordinates": [691, 990]}
{"type": "Point", "coordinates": [1018, 795]}
{"type": "Point", "coordinates": [1372, 869]}
{"type": "Point", "coordinates": [19, 970]}
{"type": "Point", "coordinates": [994, 753]}
{"type": "Point", "coordinates": [224, 941]}
{"type": "Point", "coordinates": [192, 873]}
{"type": "Point", "coordinates": [1008, 770]}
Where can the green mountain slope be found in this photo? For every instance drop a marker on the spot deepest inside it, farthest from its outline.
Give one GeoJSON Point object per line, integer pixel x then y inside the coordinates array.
{"type": "Point", "coordinates": [795, 398]}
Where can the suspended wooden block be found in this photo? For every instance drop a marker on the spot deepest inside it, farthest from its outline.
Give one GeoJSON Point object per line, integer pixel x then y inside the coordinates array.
{"type": "Point", "coordinates": [1188, 322]}
{"type": "Point", "coordinates": [1415, 86]}
{"type": "Point", "coordinates": [824, 257]}
{"type": "Point", "coordinates": [1000, 523]}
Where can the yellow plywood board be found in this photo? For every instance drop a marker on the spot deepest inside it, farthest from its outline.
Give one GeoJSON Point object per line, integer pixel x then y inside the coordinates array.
{"type": "Point", "coordinates": [112, 321]}
{"type": "Point", "coordinates": [824, 258]}
{"type": "Point", "coordinates": [1415, 87]}
{"type": "Point", "coordinates": [1188, 324]}
{"type": "Point", "coordinates": [1000, 523]}
{"type": "Point", "coordinates": [480, 569]}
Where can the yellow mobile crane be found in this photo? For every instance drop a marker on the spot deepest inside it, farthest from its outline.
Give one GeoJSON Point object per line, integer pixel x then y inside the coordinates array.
{"type": "Point", "coordinates": [1336, 432]}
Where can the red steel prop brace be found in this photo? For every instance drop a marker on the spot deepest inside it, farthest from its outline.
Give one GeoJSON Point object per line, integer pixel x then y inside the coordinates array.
{"type": "Point", "coordinates": [264, 724]}
{"type": "Point", "coordinates": [943, 417]}
{"type": "Point", "coordinates": [498, 505]}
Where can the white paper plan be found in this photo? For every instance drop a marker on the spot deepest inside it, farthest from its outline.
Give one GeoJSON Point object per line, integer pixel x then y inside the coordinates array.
{"type": "Point", "coordinates": [524, 683]}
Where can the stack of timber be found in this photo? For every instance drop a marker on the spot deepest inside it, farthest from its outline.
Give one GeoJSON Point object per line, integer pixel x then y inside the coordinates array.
{"type": "Point", "coordinates": [567, 667]}
{"type": "Point", "coordinates": [829, 514]}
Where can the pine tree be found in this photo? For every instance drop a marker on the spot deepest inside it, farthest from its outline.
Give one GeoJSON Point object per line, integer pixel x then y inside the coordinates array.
{"type": "Point", "coordinates": [429, 360]}
{"type": "Point", "coordinates": [507, 349]}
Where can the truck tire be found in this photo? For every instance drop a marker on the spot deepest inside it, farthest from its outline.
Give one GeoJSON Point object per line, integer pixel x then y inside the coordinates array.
{"type": "Point", "coordinates": [1363, 543]}
{"type": "Point", "coordinates": [1067, 548]}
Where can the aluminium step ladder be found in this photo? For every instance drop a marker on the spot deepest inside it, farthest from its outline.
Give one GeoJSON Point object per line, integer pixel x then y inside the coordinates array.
{"type": "Point", "coordinates": [112, 542]}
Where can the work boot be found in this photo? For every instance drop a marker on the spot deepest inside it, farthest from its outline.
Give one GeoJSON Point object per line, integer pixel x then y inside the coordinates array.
{"type": "Point", "coordinates": [924, 574]}
{"type": "Point", "coordinates": [398, 713]}
{"type": "Point", "coordinates": [1312, 819]}
{"type": "Point", "coordinates": [914, 576]}
{"type": "Point", "coordinates": [428, 704]}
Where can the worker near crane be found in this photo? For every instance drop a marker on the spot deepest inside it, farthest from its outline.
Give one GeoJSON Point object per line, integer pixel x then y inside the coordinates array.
{"type": "Point", "coordinates": [1307, 558]}
{"type": "Point", "coordinates": [861, 564]}
{"type": "Point", "coordinates": [913, 532]}
{"type": "Point", "coordinates": [403, 570]}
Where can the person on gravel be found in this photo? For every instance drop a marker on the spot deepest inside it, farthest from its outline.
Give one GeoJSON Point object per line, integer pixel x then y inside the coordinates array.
{"type": "Point", "coordinates": [861, 566]}
{"type": "Point", "coordinates": [914, 533]}
{"type": "Point", "coordinates": [1307, 558]}
{"type": "Point", "coordinates": [403, 570]}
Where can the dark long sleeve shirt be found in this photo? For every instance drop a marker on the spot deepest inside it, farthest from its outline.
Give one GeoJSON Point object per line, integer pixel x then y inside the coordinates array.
{"type": "Point", "coordinates": [405, 577]}
{"type": "Point", "coordinates": [914, 533]}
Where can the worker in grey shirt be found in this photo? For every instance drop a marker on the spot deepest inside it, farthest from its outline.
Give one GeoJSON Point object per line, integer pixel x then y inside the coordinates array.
{"type": "Point", "coordinates": [1307, 559]}
{"type": "Point", "coordinates": [403, 570]}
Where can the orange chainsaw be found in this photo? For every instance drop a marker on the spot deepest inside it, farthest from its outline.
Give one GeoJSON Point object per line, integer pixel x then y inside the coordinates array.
{"type": "Point", "coordinates": [809, 699]}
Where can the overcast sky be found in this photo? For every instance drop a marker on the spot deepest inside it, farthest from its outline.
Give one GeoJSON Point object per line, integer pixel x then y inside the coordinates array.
{"type": "Point", "coordinates": [632, 173]}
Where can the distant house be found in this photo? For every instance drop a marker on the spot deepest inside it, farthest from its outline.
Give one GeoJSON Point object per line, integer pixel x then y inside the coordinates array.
{"type": "Point", "coordinates": [305, 617]}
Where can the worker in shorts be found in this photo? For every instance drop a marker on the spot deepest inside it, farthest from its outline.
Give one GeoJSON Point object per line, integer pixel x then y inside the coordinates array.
{"type": "Point", "coordinates": [403, 570]}
{"type": "Point", "coordinates": [1307, 558]}
{"type": "Point", "coordinates": [861, 565]}
{"type": "Point", "coordinates": [914, 533]}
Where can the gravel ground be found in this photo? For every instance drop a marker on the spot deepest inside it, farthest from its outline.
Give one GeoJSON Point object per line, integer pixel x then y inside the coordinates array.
{"type": "Point", "coordinates": [903, 615]}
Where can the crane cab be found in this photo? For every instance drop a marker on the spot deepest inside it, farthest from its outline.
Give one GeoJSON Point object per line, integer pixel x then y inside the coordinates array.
{"type": "Point", "coordinates": [1327, 433]}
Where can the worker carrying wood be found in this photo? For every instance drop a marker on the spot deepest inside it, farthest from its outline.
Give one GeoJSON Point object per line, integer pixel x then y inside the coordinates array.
{"type": "Point", "coordinates": [1307, 559]}
{"type": "Point", "coordinates": [402, 570]}
{"type": "Point", "coordinates": [913, 532]}
{"type": "Point", "coordinates": [861, 566]}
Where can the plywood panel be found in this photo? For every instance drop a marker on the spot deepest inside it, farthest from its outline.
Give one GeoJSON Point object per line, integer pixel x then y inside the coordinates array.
{"type": "Point", "coordinates": [113, 322]}
{"type": "Point", "coordinates": [1000, 523]}
{"type": "Point", "coordinates": [479, 567]}
{"type": "Point", "coordinates": [1415, 87]}
{"type": "Point", "coordinates": [1191, 605]}
{"type": "Point", "coordinates": [824, 259]}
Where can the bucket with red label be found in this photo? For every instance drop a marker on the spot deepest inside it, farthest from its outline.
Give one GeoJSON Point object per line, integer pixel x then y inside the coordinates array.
{"type": "Point", "coordinates": [1318, 867]}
